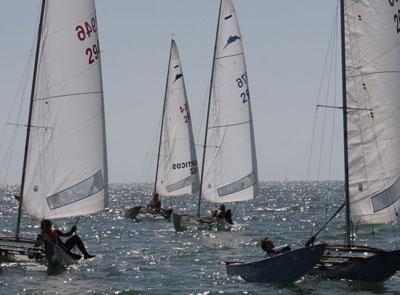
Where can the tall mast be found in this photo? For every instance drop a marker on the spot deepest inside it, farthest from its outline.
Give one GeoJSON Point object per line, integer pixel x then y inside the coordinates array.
{"type": "Point", "coordinates": [162, 117]}
{"type": "Point", "coordinates": [28, 130]}
{"type": "Point", "coordinates": [208, 111]}
{"type": "Point", "coordinates": [344, 95]}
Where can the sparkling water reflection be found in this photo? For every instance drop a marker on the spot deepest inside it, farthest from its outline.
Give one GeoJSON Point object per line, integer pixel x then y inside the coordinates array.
{"type": "Point", "coordinates": [149, 257]}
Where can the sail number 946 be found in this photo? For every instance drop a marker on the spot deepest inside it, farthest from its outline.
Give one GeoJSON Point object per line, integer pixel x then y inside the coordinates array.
{"type": "Point", "coordinates": [85, 31]}
{"type": "Point", "coordinates": [242, 83]}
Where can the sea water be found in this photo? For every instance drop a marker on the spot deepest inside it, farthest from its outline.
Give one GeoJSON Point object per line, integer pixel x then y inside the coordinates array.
{"type": "Point", "coordinates": [147, 256]}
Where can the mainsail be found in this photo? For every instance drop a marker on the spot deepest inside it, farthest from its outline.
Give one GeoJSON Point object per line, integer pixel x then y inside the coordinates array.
{"type": "Point", "coordinates": [177, 170]}
{"type": "Point", "coordinates": [230, 167]}
{"type": "Point", "coordinates": [372, 46]}
{"type": "Point", "coordinates": [66, 166]}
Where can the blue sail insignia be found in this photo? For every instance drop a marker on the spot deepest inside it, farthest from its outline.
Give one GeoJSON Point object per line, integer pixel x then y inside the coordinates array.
{"type": "Point", "coordinates": [178, 76]}
{"type": "Point", "coordinates": [231, 40]}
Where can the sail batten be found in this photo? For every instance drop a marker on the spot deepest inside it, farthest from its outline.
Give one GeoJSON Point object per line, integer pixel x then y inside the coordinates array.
{"type": "Point", "coordinates": [372, 54]}
{"type": "Point", "coordinates": [177, 171]}
{"type": "Point", "coordinates": [66, 166]}
{"type": "Point", "coordinates": [230, 168]}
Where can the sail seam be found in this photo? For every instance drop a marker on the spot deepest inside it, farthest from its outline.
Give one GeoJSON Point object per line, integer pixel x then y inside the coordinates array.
{"type": "Point", "coordinates": [230, 125]}
{"type": "Point", "coordinates": [70, 94]}
{"type": "Point", "coordinates": [226, 56]}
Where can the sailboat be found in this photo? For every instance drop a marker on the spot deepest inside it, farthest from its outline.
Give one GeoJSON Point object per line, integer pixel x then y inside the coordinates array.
{"type": "Point", "coordinates": [371, 129]}
{"type": "Point", "coordinates": [229, 167]}
{"type": "Point", "coordinates": [177, 173]}
{"type": "Point", "coordinates": [229, 171]}
{"type": "Point", "coordinates": [65, 161]}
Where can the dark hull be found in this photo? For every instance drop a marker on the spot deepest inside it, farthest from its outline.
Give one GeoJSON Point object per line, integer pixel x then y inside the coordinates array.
{"type": "Point", "coordinates": [282, 268]}
{"type": "Point", "coordinates": [357, 263]}
{"type": "Point", "coordinates": [184, 222]}
{"type": "Point", "coordinates": [10, 248]}
{"type": "Point", "coordinates": [135, 211]}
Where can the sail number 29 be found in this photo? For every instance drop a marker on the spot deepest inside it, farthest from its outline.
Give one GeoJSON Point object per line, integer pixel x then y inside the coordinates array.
{"type": "Point", "coordinates": [396, 16]}
{"type": "Point", "coordinates": [242, 82]}
{"type": "Point", "coordinates": [87, 30]}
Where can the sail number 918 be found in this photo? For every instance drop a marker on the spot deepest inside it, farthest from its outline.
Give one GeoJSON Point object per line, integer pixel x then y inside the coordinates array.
{"type": "Point", "coordinates": [87, 30]}
{"type": "Point", "coordinates": [242, 82]}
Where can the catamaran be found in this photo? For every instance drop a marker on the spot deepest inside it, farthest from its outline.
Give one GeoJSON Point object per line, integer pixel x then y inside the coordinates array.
{"type": "Point", "coordinates": [177, 173]}
{"type": "Point", "coordinates": [65, 161]}
{"type": "Point", "coordinates": [229, 167]}
{"type": "Point", "coordinates": [371, 130]}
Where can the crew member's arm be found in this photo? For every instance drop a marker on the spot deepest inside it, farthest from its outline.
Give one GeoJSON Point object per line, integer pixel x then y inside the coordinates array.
{"type": "Point", "coordinates": [68, 233]}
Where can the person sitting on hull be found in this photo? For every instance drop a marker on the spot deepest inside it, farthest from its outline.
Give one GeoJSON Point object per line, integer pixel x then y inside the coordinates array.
{"type": "Point", "coordinates": [221, 212]}
{"type": "Point", "coordinates": [155, 203]}
{"type": "Point", "coordinates": [51, 237]}
{"type": "Point", "coordinates": [268, 246]}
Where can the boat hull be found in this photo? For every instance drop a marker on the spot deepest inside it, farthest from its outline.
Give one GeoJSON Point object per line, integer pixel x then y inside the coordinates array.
{"type": "Point", "coordinates": [282, 268]}
{"type": "Point", "coordinates": [373, 265]}
{"type": "Point", "coordinates": [11, 248]}
{"type": "Point", "coordinates": [135, 211]}
{"type": "Point", "coordinates": [183, 222]}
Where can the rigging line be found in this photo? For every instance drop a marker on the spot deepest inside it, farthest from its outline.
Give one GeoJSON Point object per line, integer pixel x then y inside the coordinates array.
{"type": "Point", "coordinates": [335, 86]}
{"type": "Point", "coordinates": [230, 125]}
{"type": "Point", "coordinates": [232, 55]}
{"type": "Point", "coordinates": [325, 110]}
{"type": "Point", "coordinates": [22, 85]}
{"type": "Point", "coordinates": [66, 95]}
{"type": "Point", "coordinates": [334, 24]}
{"type": "Point", "coordinates": [312, 239]}
{"type": "Point", "coordinates": [312, 146]}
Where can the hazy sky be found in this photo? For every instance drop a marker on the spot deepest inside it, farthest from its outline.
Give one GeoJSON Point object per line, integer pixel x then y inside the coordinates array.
{"type": "Point", "coordinates": [285, 47]}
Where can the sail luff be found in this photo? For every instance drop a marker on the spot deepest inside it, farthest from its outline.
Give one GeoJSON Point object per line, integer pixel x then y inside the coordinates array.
{"type": "Point", "coordinates": [28, 130]}
{"type": "Point", "coordinates": [208, 111]}
{"type": "Point", "coordinates": [345, 141]}
{"type": "Point", "coordinates": [162, 118]}
{"type": "Point", "coordinates": [106, 185]}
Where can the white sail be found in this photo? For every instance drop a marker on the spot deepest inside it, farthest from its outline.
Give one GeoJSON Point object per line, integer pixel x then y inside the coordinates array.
{"type": "Point", "coordinates": [372, 42]}
{"type": "Point", "coordinates": [230, 168]}
{"type": "Point", "coordinates": [66, 168]}
{"type": "Point", "coordinates": [177, 167]}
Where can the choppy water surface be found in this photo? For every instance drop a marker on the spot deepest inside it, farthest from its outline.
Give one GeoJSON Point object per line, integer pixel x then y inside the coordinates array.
{"type": "Point", "coordinates": [149, 257]}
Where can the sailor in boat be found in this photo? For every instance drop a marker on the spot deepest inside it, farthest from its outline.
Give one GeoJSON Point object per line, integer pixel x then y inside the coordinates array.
{"type": "Point", "coordinates": [155, 204]}
{"type": "Point", "coordinates": [51, 237]}
{"type": "Point", "coordinates": [268, 246]}
{"type": "Point", "coordinates": [221, 212]}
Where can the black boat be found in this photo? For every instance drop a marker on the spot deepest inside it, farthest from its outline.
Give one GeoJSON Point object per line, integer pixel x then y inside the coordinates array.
{"type": "Point", "coordinates": [281, 268]}
{"type": "Point", "coordinates": [135, 211]}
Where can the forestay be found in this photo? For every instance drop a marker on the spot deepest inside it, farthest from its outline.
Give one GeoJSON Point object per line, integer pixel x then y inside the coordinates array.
{"type": "Point", "coordinates": [66, 168]}
{"type": "Point", "coordinates": [373, 88]}
{"type": "Point", "coordinates": [177, 165]}
{"type": "Point", "coordinates": [230, 169]}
